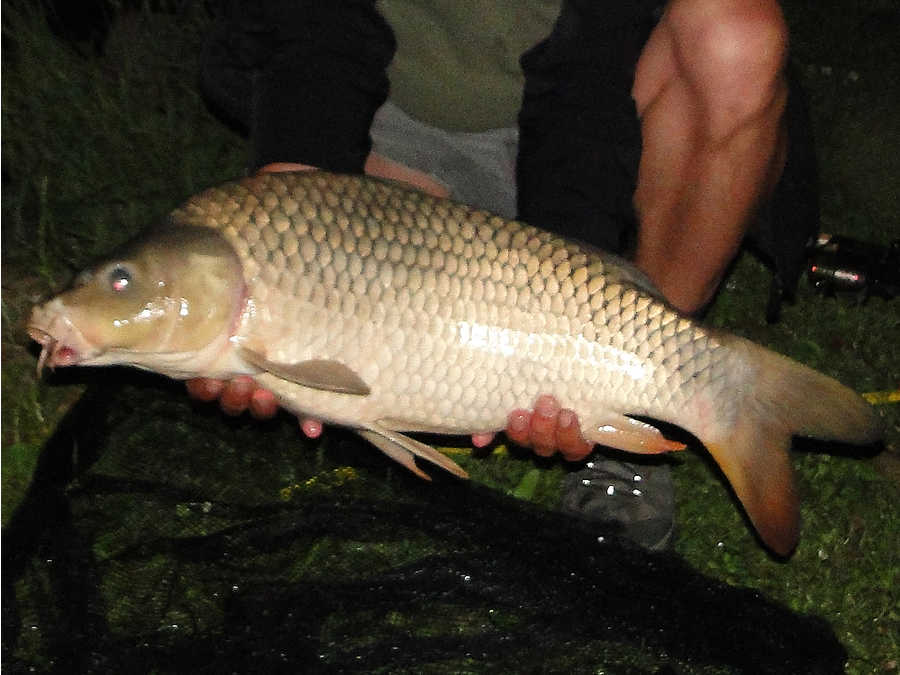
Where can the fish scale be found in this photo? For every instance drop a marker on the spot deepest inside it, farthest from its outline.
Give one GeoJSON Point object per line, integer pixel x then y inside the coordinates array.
{"type": "Point", "coordinates": [378, 307]}
{"type": "Point", "coordinates": [463, 291]}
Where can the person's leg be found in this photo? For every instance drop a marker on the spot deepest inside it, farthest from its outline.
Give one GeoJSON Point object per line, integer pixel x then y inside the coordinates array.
{"type": "Point", "coordinates": [579, 152]}
{"type": "Point", "coordinates": [302, 78]}
{"type": "Point", "coordinates": [579, 134]}
{"type": "Point", "coordinates": [710, 91]}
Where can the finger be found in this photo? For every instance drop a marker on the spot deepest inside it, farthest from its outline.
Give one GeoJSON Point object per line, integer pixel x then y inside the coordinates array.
{"type": "Point", "coordinates": [543, 426]}
{"type": "Point", "coordinates": [311, 427]}
{"type": "Point", "coordinates": [568, 437]}
{"type": "Point", "coordinates": [517, 427]}
{"type": "Point", "coordinates": [235, 396]}
{"type": "Point", "coordinates": [263, 404]}
{"type": "Point", "coordinates": [279, 167]}
{"type": "Point", "coordinates": [204, 388]}
{"type": "Point", "coordinates": [481, 440]}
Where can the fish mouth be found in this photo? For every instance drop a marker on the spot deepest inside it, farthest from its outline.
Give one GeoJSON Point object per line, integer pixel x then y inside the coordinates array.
{"type": "Point", "coordinates": [62, 344]}
{"type": "Point", "coordinates": [54, 352]}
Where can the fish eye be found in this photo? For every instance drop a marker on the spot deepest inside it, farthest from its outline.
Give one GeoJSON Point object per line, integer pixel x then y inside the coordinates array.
{"type": "Point", "coordinates": [120, 279]}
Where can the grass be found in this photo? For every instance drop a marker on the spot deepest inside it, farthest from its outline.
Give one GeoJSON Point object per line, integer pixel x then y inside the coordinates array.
{"type": "Point", "coordinates": [95, 148]}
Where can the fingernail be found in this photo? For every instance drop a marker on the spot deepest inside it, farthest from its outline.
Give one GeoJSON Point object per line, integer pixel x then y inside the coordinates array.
{"type": "Point", "coordinates": [565, 419]}
{"type": "Point", "coordinates": [546, 407]}
{"type": "Point", "coordinates": [312, 428]}
{"type": "Point", "coordinates": [518, 421]}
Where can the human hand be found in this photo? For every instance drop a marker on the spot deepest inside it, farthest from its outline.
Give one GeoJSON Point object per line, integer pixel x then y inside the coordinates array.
{"type": "Point", "coordinates": [242, 394]}
{"type": "Point", "coordinates": [546, 429]}
{"type": "Point", "coordinates": [235, 396]}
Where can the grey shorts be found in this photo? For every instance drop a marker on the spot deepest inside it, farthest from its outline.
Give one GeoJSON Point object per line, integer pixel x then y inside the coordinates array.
{"type": "Point", "coordinates": [477, 168]}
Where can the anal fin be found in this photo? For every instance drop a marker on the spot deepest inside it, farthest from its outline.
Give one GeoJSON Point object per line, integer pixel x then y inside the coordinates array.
{"type": "Point", "coordinates": [631, 435]}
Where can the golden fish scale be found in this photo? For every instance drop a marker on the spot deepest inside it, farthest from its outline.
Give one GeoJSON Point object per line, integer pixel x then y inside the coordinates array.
{"type": "Point", "coordinates": [452, 316]}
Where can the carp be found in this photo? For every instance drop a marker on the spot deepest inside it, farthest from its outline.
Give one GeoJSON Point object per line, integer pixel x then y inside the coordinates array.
{"type": "Point", "coordinates": [383, 309]}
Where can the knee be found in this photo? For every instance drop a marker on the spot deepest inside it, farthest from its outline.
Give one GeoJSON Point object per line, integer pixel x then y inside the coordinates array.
{"type": "Point", "coordinates": [732, 52]}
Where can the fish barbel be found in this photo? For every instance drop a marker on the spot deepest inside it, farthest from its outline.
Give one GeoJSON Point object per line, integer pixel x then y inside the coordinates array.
{"type": "Point", "coordinates": [386, 310]}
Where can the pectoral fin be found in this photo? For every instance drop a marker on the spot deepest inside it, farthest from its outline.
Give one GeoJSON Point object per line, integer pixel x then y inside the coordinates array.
{"type": "Point", "coordinates": [631, 435]}
{"type": "Point", "coordinates": [316, 373]}
{"type": "Point", "coordinates": [402, 448]}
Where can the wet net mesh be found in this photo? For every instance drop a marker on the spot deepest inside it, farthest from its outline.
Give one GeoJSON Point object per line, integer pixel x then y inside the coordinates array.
{"type": "Point", "coordinates": [160, 537]}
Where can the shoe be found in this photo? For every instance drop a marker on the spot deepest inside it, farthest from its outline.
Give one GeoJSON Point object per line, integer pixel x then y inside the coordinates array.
{"type": "Point", "coordinates": [635, 501]}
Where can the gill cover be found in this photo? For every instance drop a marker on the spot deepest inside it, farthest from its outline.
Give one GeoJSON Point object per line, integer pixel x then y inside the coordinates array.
{"type": "Point", "coordinates": [174, 289]}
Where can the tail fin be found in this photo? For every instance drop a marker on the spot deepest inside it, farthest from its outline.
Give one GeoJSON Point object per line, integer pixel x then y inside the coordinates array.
{"type": "Point", "coordinates": [781, 399]}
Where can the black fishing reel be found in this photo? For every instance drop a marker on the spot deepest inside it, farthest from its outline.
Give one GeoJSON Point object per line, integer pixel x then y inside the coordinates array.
{"type": "Point", "coordinates": [840, 264]}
